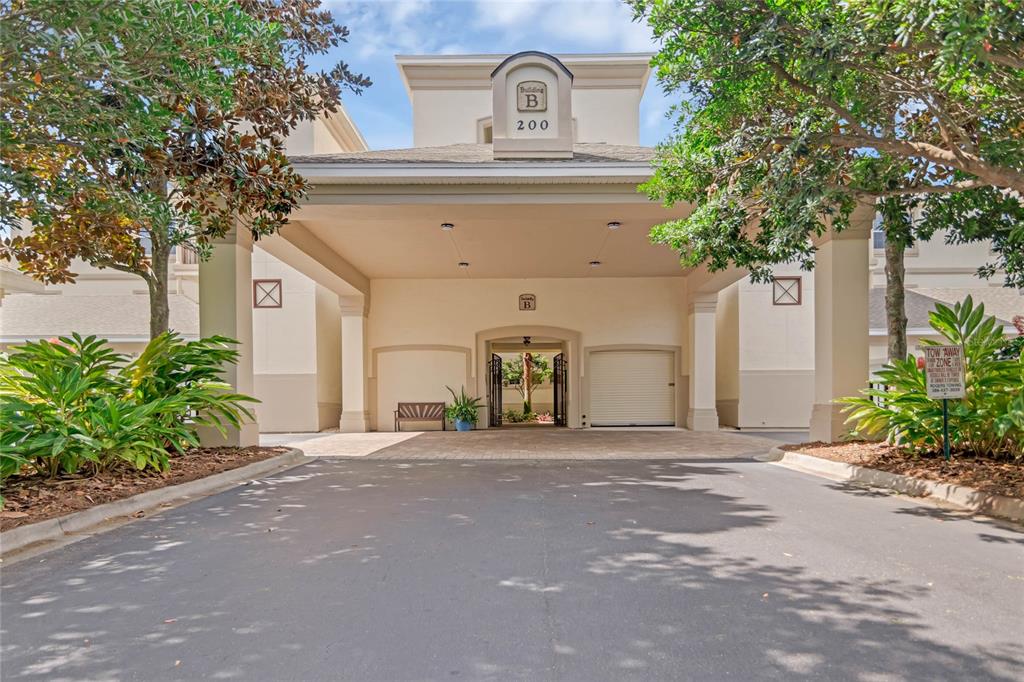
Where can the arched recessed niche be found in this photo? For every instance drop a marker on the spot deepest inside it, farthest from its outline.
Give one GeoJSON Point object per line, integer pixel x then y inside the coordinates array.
{"type": "Point", "coordinates": [532, 108]}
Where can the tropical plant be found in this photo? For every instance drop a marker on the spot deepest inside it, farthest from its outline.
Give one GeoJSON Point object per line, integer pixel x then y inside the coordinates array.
{"type": "Point", "coordinates": [989, 421]}
{"type": "Point", "coordinates": [463, 407]}
{"type": "Point", "coordinates": [132, 127]}
{"type": "Point", "coordinates": [75, 403]}
{"type": "Point", "coordinates": [516, 417]}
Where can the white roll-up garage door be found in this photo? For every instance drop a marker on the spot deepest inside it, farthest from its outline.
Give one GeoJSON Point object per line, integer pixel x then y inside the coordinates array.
{"type": "Point", "coordinates": [632, 388]}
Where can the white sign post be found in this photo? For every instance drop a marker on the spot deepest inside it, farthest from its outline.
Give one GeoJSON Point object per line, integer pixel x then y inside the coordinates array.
{"type": "Point", "coordinates": [944, 379]}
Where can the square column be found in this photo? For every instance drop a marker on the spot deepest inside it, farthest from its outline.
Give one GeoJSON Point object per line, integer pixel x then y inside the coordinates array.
{"type": "Point", "coordinates": [225, 308]}
{"type": "Point", "coordinates": [841, 291]}
{"type": "Point", "coordinates": [355, 416]}
{"type": "Point", "coordinates": [702, 414]}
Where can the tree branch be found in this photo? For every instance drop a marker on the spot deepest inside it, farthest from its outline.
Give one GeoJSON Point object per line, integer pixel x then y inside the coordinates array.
{"type": "Point", "coordinates": [838, 109]}
{"type": "Point", "coordinates": [114, 265]}
{"type": "Point", "coordinates": [951, 188]}
{"type": "Point", "coordinates": [969, 163]}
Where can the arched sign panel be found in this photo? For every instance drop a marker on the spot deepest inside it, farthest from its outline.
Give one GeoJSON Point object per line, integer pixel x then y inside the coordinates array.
{"type": "Point", "coordinates": [532, 97]}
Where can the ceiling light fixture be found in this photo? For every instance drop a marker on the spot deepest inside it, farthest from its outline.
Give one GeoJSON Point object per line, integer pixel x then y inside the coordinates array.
{"type": "Point", "coordinates": [614, 225]}
{"type": "Point", "coordinates": [463, 264]}
{"type": "Point", "coordinates": [595, 263]}
{"type": "Point", "coordinates": [447, 227]}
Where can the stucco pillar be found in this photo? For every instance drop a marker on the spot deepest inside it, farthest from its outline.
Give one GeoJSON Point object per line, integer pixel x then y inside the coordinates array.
{"type": "Point", "coordinates": [702, 414]}
{"type": "Point", "coordinates": [225, 308]}
{"type": "Point", "coordinates": [841, 290]}
{"type": "Point", "coordinates": [355, 416]}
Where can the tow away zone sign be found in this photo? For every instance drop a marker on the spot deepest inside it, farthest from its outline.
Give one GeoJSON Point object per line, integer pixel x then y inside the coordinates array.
{"type": "Point", "coordinates": [944, 371]}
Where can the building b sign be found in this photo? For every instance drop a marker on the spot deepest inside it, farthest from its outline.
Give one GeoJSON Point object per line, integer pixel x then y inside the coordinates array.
{"type": "Point", "coordinates": [532, 96]}
{"type": "Point", "coordinates": [944, 371]}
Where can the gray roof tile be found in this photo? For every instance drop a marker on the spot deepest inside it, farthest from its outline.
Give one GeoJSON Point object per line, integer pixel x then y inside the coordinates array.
{"type": "Point", "coordinates": [112, 316]}
{"type": "Point", "coordinates": [480, 154]}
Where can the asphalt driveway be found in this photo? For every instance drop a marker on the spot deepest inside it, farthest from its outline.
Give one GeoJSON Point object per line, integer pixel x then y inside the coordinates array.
{"type": "Point", "coordinates": [447, 570]}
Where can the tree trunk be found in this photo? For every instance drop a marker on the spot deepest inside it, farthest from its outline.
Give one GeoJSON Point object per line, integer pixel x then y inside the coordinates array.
{"type": "Point", "coordinates": [895, 297]}
{"type": "Point", "coordinates": [528, 381]}
{"type": "Point", "coordinates": [159, 306]}
{"type": "Point", "coordinates": [160, 256]}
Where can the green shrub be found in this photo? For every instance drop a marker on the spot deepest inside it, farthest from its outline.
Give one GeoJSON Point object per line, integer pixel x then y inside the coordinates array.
{"type": "Point", "coordinates": [77, 403]}
{"type": "Point", "coordinates": [463, 407]}
{"type": "Point", "coordinates": [989, 421]}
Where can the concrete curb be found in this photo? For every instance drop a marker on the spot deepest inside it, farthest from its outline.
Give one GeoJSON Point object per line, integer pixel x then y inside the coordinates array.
{"type": "Point", "coordinates": [55, 529]}
{"type": "Point", "coordinates": [958, 495]}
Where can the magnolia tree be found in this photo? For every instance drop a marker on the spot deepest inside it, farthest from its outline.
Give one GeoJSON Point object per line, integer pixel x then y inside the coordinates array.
{"type": "Point", "coordinates": [792, 112]}
{"type": "Point", "coordinates": [131, 127]}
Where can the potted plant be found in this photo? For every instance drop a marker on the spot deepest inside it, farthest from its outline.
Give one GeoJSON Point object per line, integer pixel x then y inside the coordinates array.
{"type": "Point", "coordinates": [463, 410]}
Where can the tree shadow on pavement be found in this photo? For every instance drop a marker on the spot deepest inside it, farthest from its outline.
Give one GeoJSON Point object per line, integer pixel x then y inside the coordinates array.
{"type": "Point", "coordinates": [383, 570]}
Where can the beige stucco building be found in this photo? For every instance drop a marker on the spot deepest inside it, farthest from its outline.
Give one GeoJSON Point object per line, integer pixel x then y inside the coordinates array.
{"type": "Point", "coordinates": [514, 223]}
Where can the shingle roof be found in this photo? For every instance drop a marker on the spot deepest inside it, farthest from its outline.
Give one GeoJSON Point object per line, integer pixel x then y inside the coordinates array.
{"type": "Point", "coordinates": [112, 316]}
{"type": "Point", "coordinates": [480, 154]}
{"type": "Point", "coordinates": [1003, 302]}
{"type": "Point", "coordinates": [918, 305]}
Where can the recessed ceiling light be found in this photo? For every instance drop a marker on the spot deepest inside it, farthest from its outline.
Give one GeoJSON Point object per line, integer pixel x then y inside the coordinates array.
{"type": "Point", "coordinates": [463, 264]}
{"type": "Point", "coordinates": [595, 263]}
{"type": "Point", "coordinates": [447, 227]}
{"type": "Point", "coordinates": [614, 225]}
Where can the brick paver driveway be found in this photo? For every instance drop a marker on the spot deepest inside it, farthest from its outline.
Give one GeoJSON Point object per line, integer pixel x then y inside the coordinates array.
{"type": "Point", "coordinates": [540, 443]}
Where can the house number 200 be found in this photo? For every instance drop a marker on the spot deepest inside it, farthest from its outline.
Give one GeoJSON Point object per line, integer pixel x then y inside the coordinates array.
{"type": "Point", "coordinates": [531, 125]}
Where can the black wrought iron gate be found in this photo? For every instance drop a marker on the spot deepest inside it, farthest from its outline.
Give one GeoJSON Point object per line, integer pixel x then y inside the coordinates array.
{"type": "Point", "coordinates": [494, 391]}
{"type": "Point", "coordinates": [560, 380]}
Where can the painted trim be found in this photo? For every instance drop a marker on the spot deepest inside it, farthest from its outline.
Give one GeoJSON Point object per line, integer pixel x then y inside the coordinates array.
{"type": "Point", "coordinates": [343, 130]}
{"type": "Point", "coordinates": [535, 172]}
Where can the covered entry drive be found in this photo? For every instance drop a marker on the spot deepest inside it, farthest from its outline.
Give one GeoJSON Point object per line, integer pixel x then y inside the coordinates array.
{"type": "Point", "coordinates": [632, 388]}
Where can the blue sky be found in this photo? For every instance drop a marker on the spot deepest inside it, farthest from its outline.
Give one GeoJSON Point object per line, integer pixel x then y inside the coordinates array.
{"type": "Point", "coordinates": [383, 28]}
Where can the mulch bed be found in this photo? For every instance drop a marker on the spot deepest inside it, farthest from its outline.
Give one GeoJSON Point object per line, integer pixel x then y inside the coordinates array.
{"type": "Point", "coordinates": [28, 499]}
{"type": "Point", "coordinates": [986, 475]}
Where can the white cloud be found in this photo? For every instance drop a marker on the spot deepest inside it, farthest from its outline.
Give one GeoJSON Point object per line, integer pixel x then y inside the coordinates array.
{"type": "Point", "coordinates": [506, 14]}
{"type": "Point", "coordinates": [386, 27]}
{"type": "Point", "coordinates": [603, 25]}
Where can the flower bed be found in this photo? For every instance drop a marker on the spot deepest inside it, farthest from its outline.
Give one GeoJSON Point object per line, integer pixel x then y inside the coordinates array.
{"type": "Point", "coordinates": [986, 475]}
{"type": "Point", "coordinates": [28, 499]}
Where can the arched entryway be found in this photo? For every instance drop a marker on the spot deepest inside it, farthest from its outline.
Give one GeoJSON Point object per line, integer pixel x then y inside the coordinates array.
{"type": "Point", "coordinates": [560, 343]}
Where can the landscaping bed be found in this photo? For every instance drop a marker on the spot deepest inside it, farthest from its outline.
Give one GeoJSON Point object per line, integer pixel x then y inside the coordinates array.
{"type": "Point", "coordinates": [986, 475]}
{"type": "Point", "coordinates": [29, 499]}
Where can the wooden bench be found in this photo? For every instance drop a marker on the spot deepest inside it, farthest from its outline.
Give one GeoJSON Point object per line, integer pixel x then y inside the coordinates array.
{"type": "Point", "coordinates": [419, 412]}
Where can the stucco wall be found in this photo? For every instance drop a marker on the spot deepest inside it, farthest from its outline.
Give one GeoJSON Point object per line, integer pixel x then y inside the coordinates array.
{"type": "Point", "coordinates": [287, 402]}
{"type": "Point", "coordinates": [449, 313]}
{"type": "Point", "coordinates": [296, 352]}
{"type": "Point", "coordinates": [727, 360]}
{"type": "Point", "coordinates": [441, 117]}
{"type": "Point", "coordinates": [414, 375]}
{"type": "Point", "coordinates": [607, 115]}
{"type": "Point", "coordinates": [328, 358]}
{"type": "Point", "coordinates": [775, 356]}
